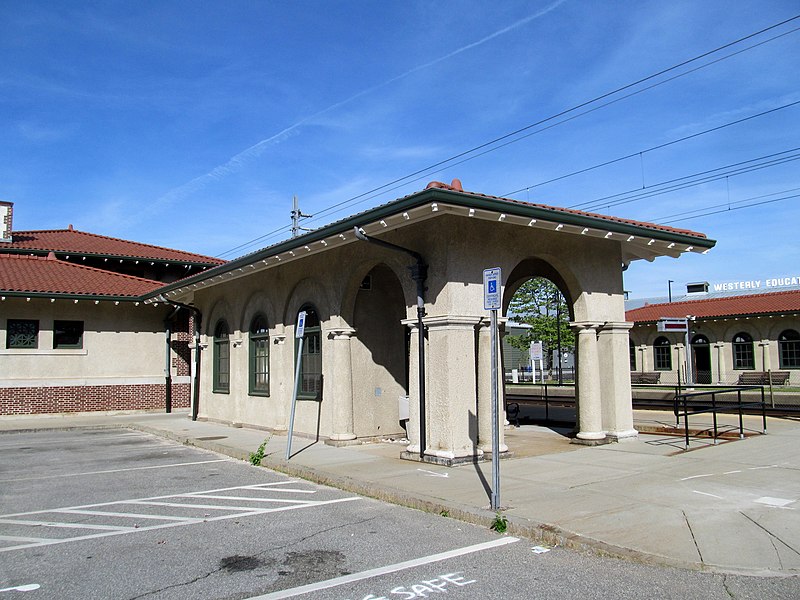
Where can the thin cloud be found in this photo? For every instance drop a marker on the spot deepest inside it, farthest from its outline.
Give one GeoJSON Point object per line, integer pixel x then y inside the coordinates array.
{"type": "Point", "coordinates": [238, 161]}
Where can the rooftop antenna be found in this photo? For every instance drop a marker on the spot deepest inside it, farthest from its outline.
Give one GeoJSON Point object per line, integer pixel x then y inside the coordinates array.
{"type": "Point", "coordinates": [296, 216]}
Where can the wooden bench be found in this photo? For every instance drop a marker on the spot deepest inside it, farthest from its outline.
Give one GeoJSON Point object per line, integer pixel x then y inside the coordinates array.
{"type": "Point", "coordinates": [762, 378]}
{"type": "Point", "coordinates": [650, 377]}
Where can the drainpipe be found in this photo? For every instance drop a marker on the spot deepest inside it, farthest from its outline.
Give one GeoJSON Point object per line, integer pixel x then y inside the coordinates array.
{"type": "Point", "coordinates": [167, 369]}
{"type": "Point", "coordinates": [198, 319]}
{"type": "Point", "coordinates": [419, 272]}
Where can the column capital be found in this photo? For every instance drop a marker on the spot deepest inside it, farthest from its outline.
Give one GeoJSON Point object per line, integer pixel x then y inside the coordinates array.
{"type": "Point", "coordinates": [616, 327]}
{"type": "Point", "coordinates": [583, 326]}
{"type": "Point", "coordinates": [341, 333]}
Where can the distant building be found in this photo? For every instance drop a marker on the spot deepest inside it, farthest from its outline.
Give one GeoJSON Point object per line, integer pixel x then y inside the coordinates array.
{"type": "Point", "coordinates": [733, 337]}
{"type": "Point", "coordinates": [74, 335]}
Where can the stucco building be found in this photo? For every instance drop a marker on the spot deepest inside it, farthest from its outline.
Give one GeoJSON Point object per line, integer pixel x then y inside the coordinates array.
{"type": "Point", "coordinates": [366, 283]}
{"type": "Point", "coordinates": [75, 333]}
{"type": "Point", "coordinates": [732, 338]}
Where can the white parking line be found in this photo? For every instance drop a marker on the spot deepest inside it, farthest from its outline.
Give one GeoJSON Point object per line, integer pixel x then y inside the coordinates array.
{"type": "Point", "coordinates": [16, 538]}
{"type": "Point", "coordinates": [169, 466]}
{"type": "Point", "coordinates": [247, 506]}
{"type": "Point", "coordinates": [401, 566]}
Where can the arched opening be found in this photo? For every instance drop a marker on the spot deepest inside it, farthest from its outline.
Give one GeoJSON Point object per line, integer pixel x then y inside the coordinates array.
{"type": "Point", "coordinates": [701, 359]}
{"type": "Point", "coordinates": [380, 351]}
{"type": "Point", "coordinates": [539, 346]}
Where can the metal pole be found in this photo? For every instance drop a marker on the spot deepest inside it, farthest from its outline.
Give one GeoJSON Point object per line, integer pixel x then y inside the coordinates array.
{"type": "Point", "coordinates": [294, 396]}
{"type": "Point", "coordinates": [689, 375]}
{"type": "Point", "coordinates": [167, 370]}
{"type": "Point", "coordinates": [558, 335]}
{"type": "Point", "coordinates": [495, 500]}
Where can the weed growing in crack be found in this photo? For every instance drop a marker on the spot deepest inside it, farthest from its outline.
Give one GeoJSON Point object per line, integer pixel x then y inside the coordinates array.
{"type": "Point", "coordinates": [257, 456]}
{"type": "Point", "coordinates": [499, 524]}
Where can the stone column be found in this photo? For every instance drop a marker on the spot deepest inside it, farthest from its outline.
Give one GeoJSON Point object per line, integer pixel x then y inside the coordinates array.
{"type": "Point", "coordinates": [343, 430]}
{"type": "Point", "coordinates": [452, 421]}
{"type": "Point", "coordinates": [722, 368]}
{"type": "Point", "coordinates": [590, 415]}
{"type": "Point", "coordinates": [485, 389]}
{"type": "Point", "coordinates": [615, 380]}
{"type": "Point", "coordinates": [765, 356]}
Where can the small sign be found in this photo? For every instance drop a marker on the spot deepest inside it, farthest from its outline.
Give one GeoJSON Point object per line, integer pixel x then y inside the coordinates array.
{"type": "Point", "coordinates": [674, 325]}
{"type": "Point", "coordinates": [537, 351]}
{"type": "Point", "coordinates": [301, 325]}
{"type": "Point", "coordinates": [491, 289]}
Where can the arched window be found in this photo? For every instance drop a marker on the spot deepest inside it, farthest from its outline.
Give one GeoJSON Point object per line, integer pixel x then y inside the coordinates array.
{"type": "Point", "coordinates": [632, 352]}
{"type": "Point", "coordinates": [789, 349]}
{"type": "Point", "coordinates": [311, 360]}
{"type": "Point", "coordinates": [662, 354]}
{"type": "Point", "coordinates": [743, 355]}
{"type": "Point", "coordinates": [222, 358]}
{"type": "Point", "coordinates": [259, 356]}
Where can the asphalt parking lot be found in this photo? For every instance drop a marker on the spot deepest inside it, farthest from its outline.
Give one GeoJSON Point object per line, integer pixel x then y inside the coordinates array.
{"type": "Point", "coordinates": [114, 513]}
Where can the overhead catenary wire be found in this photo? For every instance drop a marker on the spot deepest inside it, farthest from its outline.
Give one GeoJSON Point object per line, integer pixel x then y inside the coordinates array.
{"type": "Point", "coordinates": [513, 136]}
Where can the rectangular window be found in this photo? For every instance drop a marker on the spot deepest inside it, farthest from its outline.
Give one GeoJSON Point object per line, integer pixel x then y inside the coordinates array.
{"type": "Point", "coordinates": [259, 365]}
{"type": "Point", "coordinates": [67, 334]}
{"type": "Point", "coordinates": [743, 357]}
{"type": "Point", "coordinates": [22, 333]}
{"type": "Point", "coordinates": [663, 358]}
{"type": "Point", "coordinates": [789, 354]}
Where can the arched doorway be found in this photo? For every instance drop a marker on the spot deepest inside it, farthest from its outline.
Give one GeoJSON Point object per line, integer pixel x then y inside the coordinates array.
{"type": "Point", "coordinates": [701, 359]}
{"type": "Point", "coordinates": [380, 350]}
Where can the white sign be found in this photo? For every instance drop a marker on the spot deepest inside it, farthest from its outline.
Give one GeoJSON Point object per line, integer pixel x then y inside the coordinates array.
{"type": "Point", "coordinates": [537, 352]}
{"type": "Point", "coordinates": [676, 325]}
{"type": "Point", "coordinates": [491, 289]}
{"type": "Point", "coordinates": [301, 325]}
{"type": "Point", "coordinates": [757, 284]}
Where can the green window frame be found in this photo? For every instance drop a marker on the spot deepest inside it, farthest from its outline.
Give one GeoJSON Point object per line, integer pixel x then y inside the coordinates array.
{"type": "Point", "coordinates": [662, 354]}
{"type": "Point", "coordinates": [632, 355]}
{"type": "Point", "coordinates": [743, 354]}
{"type": "Point", "coordinates": [22, 333]}
{"type": "Point", "coordinates": [311, 359]}
{"type": "Point", "coordinates": [259, 357]}
{"type": "Point", "coordinates": [222, 358]}
{"type": "Point", "coordinates": [67, 335]}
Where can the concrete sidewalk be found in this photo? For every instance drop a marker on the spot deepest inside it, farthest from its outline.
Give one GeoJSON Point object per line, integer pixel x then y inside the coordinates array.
{"type": "Point", "coordinates": [728, 507]}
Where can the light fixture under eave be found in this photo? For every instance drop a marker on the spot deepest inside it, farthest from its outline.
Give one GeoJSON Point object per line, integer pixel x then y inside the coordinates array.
{"type": "Point", "coordinates": [382, 222]}
{"type": "Point", "coordinates": [434, 207]}
{"type": "Point", "coordinates": [608, 235]}
{"type": "Point", "coordinates": [559, 227]}
{"type": "Point", "coordinates": [471, 212]}
{"type": "Point", "coordinates": [307, 248]}
{"type": "Point", "coordinates": [532, 222]}
{"type": "Point", "coordinates": [291, 252]}
{"type": "Point", "coordinates": [651, 242]}
{"type": "Point", "coordinates": [502, 217]}
{"type": "Point", "coordinates": [631, 238]}
{"type": "Point", "coordinates": [689, 248]}
{"type": "Point", "coordinates": [585, 231]}
{"type": "Point", "coordinates": [406, 216]}
{"type": "Point", "coordinates": [672, 245]}
{"type": "Point", "coordinates": [324, 242]}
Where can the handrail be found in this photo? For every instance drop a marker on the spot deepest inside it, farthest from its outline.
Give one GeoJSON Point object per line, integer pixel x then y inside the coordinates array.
{"type": "Point", "coordinates": [714, 409]}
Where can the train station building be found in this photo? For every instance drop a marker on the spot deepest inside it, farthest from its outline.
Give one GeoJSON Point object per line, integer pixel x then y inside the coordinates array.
{"type": "Point", "coordinates": [369, 281]}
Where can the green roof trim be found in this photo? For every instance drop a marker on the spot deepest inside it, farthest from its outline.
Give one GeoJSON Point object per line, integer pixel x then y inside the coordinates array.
{"type": "Point", "coordinates": [459, 198]}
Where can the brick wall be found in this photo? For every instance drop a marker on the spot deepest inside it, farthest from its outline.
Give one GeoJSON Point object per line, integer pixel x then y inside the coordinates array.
{"type": "Point", "coordinates": [66, 399]}
{"type": "Point", "coordinates": [181, 338]}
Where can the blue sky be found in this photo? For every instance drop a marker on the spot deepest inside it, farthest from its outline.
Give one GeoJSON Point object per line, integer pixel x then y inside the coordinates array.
{"type": "Point", "coordinates": [192, 124]}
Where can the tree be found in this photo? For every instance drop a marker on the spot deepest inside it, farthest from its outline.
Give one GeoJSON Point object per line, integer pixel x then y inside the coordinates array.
{"type": "Point", "coordinates": [540, 304]}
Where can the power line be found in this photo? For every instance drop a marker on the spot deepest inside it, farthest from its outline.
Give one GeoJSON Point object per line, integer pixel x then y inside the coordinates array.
{"type": "Point", "coordinates": [494, 145]}
{"type": "Point", "coordinates": [685, 215]}
{"type": "Point", "coordinates": [724, 210]}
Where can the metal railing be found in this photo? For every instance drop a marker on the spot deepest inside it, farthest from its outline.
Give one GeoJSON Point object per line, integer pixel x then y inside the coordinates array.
{"type": "Point", "coordinates": [695, 403]}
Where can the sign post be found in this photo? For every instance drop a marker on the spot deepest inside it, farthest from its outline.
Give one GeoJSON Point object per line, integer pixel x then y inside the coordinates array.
{"type": "Point", "coordinates": [537, 354]}
{"type": "Point", "coordinates": [492, 301]}
{"type": "Point", "coordinates": [300, 331]}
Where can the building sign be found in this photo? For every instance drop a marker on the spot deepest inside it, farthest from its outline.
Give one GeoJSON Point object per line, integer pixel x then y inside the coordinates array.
{"type": "Point", "coordinates": [677, 325]}
{"type": "Point", "coordinates": [757, 284]}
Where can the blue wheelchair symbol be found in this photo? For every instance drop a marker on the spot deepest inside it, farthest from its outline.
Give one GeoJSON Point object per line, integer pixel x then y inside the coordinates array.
{"type": "Point", "coordinates": [492, 286]}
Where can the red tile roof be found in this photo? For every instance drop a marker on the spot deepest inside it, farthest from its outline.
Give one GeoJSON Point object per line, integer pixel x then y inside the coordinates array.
{"type": "Point", "coordinates": [80, 242]}
{"type": "Point", "coordinates": [456, 187]}
{"type": "Point", "coordinates": [40, 275]}
{"type": "Point", "coordinates": [751, 304]}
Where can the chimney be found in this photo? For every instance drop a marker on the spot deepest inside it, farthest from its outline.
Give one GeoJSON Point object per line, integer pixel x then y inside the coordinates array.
{"type": "Point", "coordinates": [6, 213]}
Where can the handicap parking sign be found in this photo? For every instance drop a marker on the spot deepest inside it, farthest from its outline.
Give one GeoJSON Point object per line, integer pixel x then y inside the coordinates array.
{"type": "Point", "coordinates": [491, 289]}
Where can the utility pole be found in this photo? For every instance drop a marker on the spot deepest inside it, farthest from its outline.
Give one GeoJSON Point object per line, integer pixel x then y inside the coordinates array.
{"type": "Point", "coordinates": [296, 216]}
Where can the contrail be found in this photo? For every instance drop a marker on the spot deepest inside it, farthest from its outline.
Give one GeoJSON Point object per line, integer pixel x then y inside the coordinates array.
{"type": "Point", "coordinates": [240, 160]}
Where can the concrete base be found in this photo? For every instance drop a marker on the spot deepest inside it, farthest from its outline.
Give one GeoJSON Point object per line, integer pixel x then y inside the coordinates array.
{"type": "Point", "coordinates": [342, 443]}
{"type": "Point", "coordinates": [623, 436]}
{"type": "Point", "coordinates": [592, 442]}
{"type": "Point", "coordinates": [451, 462]}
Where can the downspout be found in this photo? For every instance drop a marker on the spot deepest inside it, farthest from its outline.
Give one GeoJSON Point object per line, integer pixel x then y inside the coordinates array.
{"type": "Point", "coordinates": [198, 319]}
{"type": "Point", "coordinates": [419, 273]}
{"type": "Point", "coordinates": [167, 356]}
